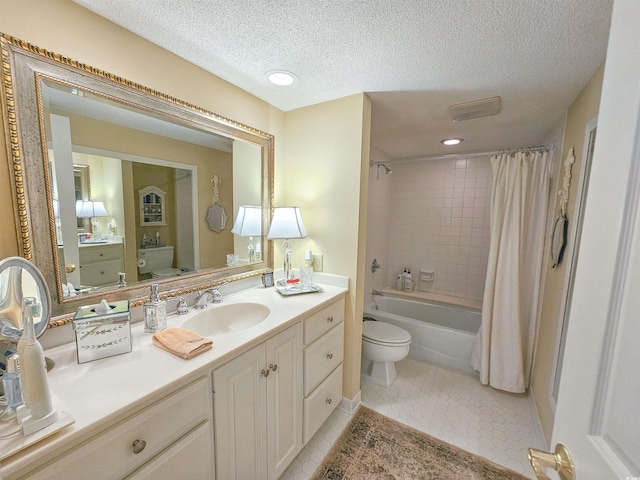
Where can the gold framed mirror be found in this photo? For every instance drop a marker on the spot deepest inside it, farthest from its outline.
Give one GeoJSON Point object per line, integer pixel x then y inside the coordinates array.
{"type": "Point", "coordinates": [70, 125]}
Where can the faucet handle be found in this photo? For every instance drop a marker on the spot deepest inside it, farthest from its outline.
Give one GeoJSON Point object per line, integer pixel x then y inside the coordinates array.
{"type": "Point", "coordinates": [182, 307]}
{"type": "Point", "coordinates": [215, 293]}
{"type": "Point", "coordinates": [217, 296]}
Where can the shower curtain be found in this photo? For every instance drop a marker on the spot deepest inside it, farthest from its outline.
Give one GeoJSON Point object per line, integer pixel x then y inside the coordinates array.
{"type": "Point", "coordinates": [503, 350]}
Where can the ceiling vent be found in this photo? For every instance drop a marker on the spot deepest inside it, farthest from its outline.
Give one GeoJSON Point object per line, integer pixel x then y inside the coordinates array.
{"type": "Point", "coordinates": [476, 109]}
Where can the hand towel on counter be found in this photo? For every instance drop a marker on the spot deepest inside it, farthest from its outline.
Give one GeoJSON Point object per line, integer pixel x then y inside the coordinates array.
{"type": "Point", "coordinates": [181, 342]}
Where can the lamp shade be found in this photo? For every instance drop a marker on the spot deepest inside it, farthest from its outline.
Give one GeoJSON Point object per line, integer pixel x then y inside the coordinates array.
{"type": "Point", "coordinates": [90, 209]}
{"type": "Point", "coordinates": [286, 223]}
{"type": "Point", "coordinates": [248, 222]}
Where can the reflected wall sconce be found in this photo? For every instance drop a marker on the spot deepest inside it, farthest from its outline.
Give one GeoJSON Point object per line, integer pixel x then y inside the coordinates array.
{"type": "Point", "coordinates": [286, 224]}
{"type": "Point", "coordinates": [249, 224]}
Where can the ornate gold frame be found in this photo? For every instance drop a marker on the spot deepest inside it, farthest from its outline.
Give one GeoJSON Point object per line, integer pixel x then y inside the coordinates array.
{"type": "Point", "coordinates": [27, 156]}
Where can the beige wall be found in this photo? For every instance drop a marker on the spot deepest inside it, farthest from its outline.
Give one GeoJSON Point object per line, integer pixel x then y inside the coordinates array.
{"type": "Point", "coordinates": [583, 109]}
{"type": "Point", "coordinates": [326, 154]}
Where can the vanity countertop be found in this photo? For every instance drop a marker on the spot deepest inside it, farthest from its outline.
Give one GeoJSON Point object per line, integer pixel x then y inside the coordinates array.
{"type": "Point", "coordinates": [99, 392]}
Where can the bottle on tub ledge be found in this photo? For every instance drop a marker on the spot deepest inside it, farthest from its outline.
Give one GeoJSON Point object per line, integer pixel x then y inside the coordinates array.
{"type": "Point", "coordinates": [408, 281]}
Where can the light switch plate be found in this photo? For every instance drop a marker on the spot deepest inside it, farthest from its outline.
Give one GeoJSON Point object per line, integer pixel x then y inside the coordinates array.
{"type": "Point", "coordinates": [317, 263]}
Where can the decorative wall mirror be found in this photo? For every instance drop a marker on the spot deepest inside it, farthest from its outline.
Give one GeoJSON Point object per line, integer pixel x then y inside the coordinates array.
{"type": "Point", "coordinates": [70, 125]}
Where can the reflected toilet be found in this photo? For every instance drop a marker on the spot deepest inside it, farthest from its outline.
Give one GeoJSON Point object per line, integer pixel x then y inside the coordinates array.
{"type": "Point", "coordinates": [157, 261]}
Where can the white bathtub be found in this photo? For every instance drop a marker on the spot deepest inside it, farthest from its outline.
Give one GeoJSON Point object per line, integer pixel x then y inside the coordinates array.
{"type": "Point", "coordinates": [440, 334]}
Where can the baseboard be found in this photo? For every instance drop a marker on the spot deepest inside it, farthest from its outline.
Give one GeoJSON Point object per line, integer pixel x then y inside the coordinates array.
{"type": "Point", "coordinates": [537, 425]}
{"type": "Point", "coordinates": [350, 406]}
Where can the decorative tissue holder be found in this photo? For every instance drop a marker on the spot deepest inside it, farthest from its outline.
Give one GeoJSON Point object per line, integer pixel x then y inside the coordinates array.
{"type": "Point", "coordinates": [102, 334]}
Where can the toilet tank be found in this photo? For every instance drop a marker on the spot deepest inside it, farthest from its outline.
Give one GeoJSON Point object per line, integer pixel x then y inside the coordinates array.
{"type": "Point", "coordinates": [151, 259]}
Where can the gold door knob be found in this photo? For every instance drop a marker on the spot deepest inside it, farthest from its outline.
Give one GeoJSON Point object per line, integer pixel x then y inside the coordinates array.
{"type": "Point", "coordinates": [265, 372]}
{"type": "Point", "coordinates": [273, 367]}
{"type": "Point", "coordinates": [70, 267]}
{"type": "Point", "coordinates": [559, 460]}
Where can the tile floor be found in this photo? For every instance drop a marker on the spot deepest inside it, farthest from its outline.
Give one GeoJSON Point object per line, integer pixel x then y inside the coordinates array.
{"type": "Point", "coordinates": [451, 406]}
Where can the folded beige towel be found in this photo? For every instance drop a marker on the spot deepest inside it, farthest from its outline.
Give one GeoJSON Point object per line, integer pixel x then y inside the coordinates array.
{"type": "Point", "coordinates": [181, 342]}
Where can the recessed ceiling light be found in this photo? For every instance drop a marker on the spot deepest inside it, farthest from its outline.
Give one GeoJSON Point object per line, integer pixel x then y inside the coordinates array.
{"type": "Point", "coordinates": [282, 78]}
{"type": "Point", "coordinates": [451, 141]}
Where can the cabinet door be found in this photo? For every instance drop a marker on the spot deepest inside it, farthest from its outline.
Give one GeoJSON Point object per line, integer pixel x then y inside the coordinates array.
{"type": "Point", "coordinates": [190, 457]}
{"type": "Point", "coordinates": [284, 399]}
{"type": "Point", "coordinates": [240, 417]}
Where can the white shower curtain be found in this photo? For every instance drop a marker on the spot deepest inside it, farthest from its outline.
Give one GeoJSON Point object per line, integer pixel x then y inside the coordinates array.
{"type": "Point", "coordinates": [503, 350]}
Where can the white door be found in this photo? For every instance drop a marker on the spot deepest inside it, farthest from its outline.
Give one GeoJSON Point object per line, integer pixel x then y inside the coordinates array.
{"type": "Point", "coordinates": [598, 413]}
{"type": "Point", "coordinates": [284, 399]}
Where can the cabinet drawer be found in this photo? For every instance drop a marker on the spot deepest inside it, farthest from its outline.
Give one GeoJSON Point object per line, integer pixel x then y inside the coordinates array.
{"type": "Point", "coordinates": [100, 273]}
{"type": "Point", "coordinates": [320, 322]}
{"type": "Point", "coordinates": [319, 405]}
{"type": "Point", "coordinates": [321, 357]}
{"type": "Point", "coordinates": [98, 254]}
{"type": "Point", "coordinates": [190, 457]}
{"type": "Point", "coordinates": [110, 455]}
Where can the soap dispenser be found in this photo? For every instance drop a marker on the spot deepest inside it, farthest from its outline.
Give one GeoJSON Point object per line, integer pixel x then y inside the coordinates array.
{"type": "Point", "coordinates": [155, 312]}
{"type": "Point", "coordinates": [37, 394]}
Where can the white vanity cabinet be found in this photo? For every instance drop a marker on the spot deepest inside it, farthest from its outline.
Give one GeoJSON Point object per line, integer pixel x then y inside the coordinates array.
{"type": "Point", "coordinates": [172, 438]}
{"type": "Point", "coordinates": [258, 409]}
{"type": "Point", "coordinates": [100, 264]}
{"type": "Point", "coordinates": [323, 355]}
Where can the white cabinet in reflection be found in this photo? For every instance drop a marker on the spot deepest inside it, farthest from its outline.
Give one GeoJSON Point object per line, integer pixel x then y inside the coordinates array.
{"type": "Point", "coordinates": [152, 206]}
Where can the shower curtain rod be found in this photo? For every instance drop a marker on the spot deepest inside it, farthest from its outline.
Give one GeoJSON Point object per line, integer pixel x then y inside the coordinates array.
{"type": "Point", "coordinates": [509, 151]}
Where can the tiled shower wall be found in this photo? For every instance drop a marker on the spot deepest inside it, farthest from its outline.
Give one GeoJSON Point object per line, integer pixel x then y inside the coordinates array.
{"type": "Point", "coordinates": [439, 220]}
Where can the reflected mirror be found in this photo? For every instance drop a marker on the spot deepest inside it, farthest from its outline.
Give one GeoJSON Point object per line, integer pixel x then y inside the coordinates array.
{"type": "Point", "coordinates": [135, 186]}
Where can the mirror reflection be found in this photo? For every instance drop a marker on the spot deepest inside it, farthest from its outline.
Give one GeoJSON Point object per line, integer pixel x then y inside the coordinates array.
{"type": "Point", "coordinates": [136, 194]}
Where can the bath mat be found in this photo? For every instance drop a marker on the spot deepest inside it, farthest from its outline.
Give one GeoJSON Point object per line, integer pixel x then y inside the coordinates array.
{"type": "Point", "coordinates": [373, 446]}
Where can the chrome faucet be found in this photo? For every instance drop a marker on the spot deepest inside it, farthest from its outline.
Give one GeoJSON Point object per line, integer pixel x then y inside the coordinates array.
{"type": "Point", "coordinates": [214, 293]}
{"type": "Point", "coordinates": [201, 299]}
{"type": "Point", "coordinates": [377, 292]}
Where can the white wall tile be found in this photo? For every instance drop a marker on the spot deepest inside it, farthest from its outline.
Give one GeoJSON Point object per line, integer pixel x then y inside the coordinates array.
{"type": "Point", "coordinates": [438, 219]}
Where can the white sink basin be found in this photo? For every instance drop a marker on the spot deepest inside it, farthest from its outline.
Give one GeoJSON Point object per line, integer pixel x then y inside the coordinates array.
{"type": "Point", "coordinates": [226, 318]}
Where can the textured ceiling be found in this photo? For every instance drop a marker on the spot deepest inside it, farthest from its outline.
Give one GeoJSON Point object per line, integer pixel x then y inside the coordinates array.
{"type": "Point", "coordinates": [413, 57]}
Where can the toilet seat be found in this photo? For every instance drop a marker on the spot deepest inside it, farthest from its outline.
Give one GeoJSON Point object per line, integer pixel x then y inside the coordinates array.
{"type": "Point", "coordinates": [166, 272]}
{"type": "Point", "coordinates": [381, 333]}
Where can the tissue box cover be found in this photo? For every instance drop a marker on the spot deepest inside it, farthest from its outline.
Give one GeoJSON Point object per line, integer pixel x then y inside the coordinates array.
{"type": "Point", "coordinates": [100, 335]}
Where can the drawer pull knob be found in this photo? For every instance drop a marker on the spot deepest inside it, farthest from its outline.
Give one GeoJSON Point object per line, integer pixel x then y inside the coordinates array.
{"type": "Point", "coordinates": [329, 356]}
{"type": "Point", "coordinates": [138, 446]}
{"type": "Point", "coordinates": [329, 401]}
{"type": "Point", "coordinates": [273, 367]}
{"type": "Point", "coordinates": [102, 272]}
{"type": "Point", "coordinates": [265, 372]}
{"type": "Point", "coordinates": [330, 319]}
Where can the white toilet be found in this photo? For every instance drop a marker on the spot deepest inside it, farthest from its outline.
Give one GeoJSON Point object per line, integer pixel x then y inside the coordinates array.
{"type": "Point", "coordinates": [157, 261]}
{"type": "Point", "coordinates": [383, 344]}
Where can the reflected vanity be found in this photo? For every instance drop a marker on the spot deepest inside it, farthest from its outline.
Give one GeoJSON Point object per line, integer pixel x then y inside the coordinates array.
{"type": "Point", "coordinates": [78, 135]}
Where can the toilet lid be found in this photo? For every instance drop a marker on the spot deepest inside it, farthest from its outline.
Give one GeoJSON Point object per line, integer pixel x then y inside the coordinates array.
{"type": "Point", "coordinates": [384, 333]}
{"type": "Point", "coordinates": [167, 272]}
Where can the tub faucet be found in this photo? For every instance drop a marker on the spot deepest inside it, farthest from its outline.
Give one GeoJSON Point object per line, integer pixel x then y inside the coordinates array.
{"type": "Point", "coordinates": [377, 292]}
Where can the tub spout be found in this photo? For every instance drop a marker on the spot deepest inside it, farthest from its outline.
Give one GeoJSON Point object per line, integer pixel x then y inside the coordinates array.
{"type": "Point", "coordinates": [377, 292]}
